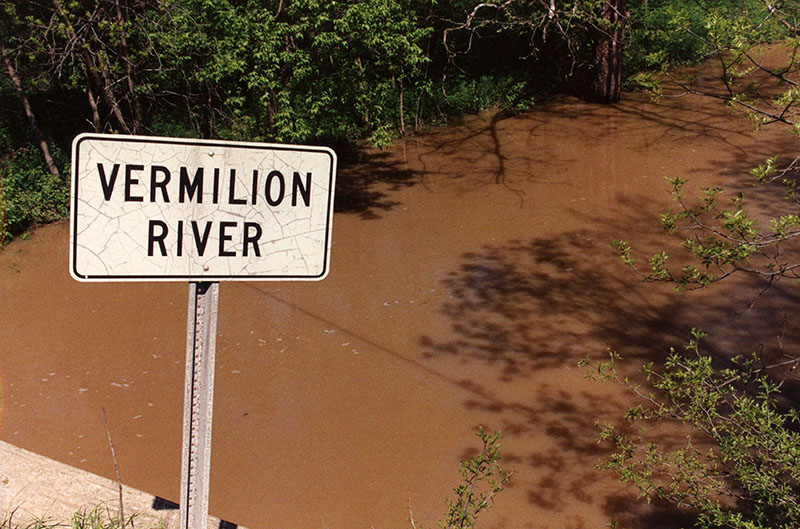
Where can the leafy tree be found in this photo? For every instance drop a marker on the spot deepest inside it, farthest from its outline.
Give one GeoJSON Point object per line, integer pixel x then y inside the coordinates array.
{"type": "Point", "coordinates": [668, 33]}
{"type": "Point", "coordinates": [37, 196]}
{"type": "Point", "coordinates": [330, 72]}
{"type": "Point", "coordinates": [287, 71]}
{"type": "Point", "coordinates": [724, 236]}
{"type": "Point", "coordinates": [293, 72]}
{"type": "Point", "coordinates": [298, 71]}
{"type": "Point", "coordinates": [88, 47]}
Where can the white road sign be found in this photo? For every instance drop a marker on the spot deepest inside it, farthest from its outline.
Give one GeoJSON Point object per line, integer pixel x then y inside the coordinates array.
{"type": "Point", "coordinates": [164, 209]}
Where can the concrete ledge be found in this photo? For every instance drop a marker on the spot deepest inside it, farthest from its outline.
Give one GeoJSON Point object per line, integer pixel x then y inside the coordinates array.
{"type": "Point", "coordinates": [35, 487]}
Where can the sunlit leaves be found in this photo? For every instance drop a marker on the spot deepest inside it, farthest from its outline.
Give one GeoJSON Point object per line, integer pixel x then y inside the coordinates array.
{"type": "Point", "coordinates": [624, 250]}
{"type": "Point", "coordinates": [752, 452]}
{"type": "Point", "coordinates": [724, 236]}
{"type": "Point", "coordinates": [658, 266]}
{"type": "Point", "coordinates": [481, 479]}
{"type": "Point", "coordinates": [784, 226]}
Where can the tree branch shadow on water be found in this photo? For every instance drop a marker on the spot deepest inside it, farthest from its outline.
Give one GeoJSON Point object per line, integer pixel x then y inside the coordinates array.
{"type": "Point", "coordinates": [526, 307]}
{"type": "Point", "coordinates": [635, 512]}
{"type": "Point", "coordinates": [456, 159]}
{"type": "Point", "coordinates": [480, 152]}
{"type": "Point", "coordinates": [366, 182]}
{"type": "Point", "coordinates": [529, 305]}
{"type": "Point", "coordinates": [533, 306]}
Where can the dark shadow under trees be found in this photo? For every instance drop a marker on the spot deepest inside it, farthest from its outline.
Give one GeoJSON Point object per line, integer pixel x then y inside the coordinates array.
{"type": "Point", "coordinates": [365, 183]}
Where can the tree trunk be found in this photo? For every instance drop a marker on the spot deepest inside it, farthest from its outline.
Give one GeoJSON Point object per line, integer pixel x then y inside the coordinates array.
{"type": "Point", "coordinates": [4, 216]}
{"type": "Point", "coordinates": [108, 94]}
{"type": "Point", "coordinates": [94, 107]}
{"type": "Point", "coordinates": [136, 108]}
{"type": "Point", "coordinates": [92, 64]}
{"type": "Point", "coordinates": [26, 105]}
{"type": "Point", "coordinates": [606, 79]}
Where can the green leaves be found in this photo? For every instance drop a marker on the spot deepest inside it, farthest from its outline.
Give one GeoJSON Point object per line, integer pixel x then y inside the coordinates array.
{"type": "Point", "coordinates": [658, 266]}
{"type": "Point", "coordinates": [29, 194]}
{"type": "Point", "coordinates": [280, 71]}
{"type": "Point", "coordinates": [754, 456]}
{"type": "Point", "coordinates": [624, 250]}
{"type": "Point", "coordinates": [482, 478]}
{"type": "Point", "coordinates": [720, 240]}
{"type": "Point", "coordinates": [765, 170]}
{"type": "Point", "coordinates": [785, 226]}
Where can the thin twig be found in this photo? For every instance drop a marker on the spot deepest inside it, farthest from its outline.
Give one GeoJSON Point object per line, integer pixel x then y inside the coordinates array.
{"type": "Point", "coordinates": [116, 470]}
{"type": "Point", "coordinates": [411, 515]}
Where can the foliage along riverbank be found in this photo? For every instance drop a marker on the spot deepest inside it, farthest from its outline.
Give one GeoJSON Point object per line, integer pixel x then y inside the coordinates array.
{"type": "Point", "coordinates": [332, 73]}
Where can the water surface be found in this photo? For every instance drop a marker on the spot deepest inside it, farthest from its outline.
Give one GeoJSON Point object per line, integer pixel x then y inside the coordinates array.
{"type": "Point", "coordinates": [470, 272]}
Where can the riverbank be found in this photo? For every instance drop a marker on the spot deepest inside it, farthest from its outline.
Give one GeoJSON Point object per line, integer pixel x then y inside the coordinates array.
{"type": "Point", "coordinates": [36, 488]}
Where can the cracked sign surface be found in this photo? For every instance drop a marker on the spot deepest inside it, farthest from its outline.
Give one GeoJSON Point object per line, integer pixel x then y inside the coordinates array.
{"type": "Point", "coordinates": [162, 209]}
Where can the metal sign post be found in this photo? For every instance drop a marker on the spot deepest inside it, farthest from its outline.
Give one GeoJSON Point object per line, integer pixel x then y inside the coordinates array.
{"type": "Point", "coordinates": [198, 403]}
{"type": "Point", "coordinates": [178, 209]}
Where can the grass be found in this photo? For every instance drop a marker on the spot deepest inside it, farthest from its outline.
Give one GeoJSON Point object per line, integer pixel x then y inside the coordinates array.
{"type": "Point", "coordinates": [99, 517]}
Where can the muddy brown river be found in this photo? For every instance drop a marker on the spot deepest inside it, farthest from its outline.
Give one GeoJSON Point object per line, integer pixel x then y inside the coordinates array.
{"type": "Point", "coordinates": [470, 272]}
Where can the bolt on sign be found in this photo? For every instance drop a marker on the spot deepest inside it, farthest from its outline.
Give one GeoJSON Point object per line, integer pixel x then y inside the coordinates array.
{"type": "Point", "coordinates": [171, 209]}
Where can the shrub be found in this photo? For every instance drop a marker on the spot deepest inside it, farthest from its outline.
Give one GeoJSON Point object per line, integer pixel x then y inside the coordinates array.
{"type": "Point", "coordinates": [29, 194]}
{"type": "Point", "coordinates": [749, 478]}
